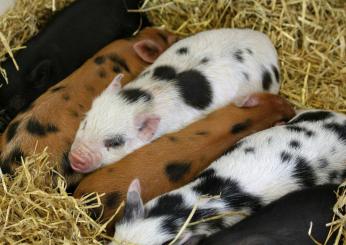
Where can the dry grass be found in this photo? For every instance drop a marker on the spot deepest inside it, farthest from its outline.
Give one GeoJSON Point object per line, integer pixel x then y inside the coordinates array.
{"type": "Point", "coordinates": [33, 211]}
{"type": "Point", "coordinates": [308, 34]}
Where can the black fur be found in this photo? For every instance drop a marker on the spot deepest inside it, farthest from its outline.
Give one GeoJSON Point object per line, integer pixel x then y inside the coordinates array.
{"type": "Point", "coordinates": [12, 131]}
{"type": "Point", "coordinates": [117, 60]}
{"type": "Point", "coordinates": [249, 150]}
{"type": "Point", "coordinates": [238, 55]}
{"type": "Point", "coordinates": [276, 73]}
{"type": "Point", "coordinates": [295, 144]}
{"type": "Point", "coordinates": [312, 116]}
{"type": "Point", "coordinates": [339, 129]}
{"type": "Point", "coordinates": [246, 76]}
{"type": "Point", "coordinates": [194, 89]}
{"type": "Point", "coordinates": [112, 199]}
{"type": "Point", "coordinates": [164, 73]}
{"type": "Point", "coordinates": [323, 163]}
{"type": "Point", "coordinates": [134, 94]}
{"type": "Point", "coordinates": [182, 51]}
{"type": "Point", "coordinates": [304, 173]}
{"type": "Point", "coordinates": [266, 80]}
{"type": "Point", "coordinates": [239, 127]}
{"type": "Point", "coordinates": [13, 157]}
{"type": "Point", "coordinates": [295, 210]}
{"type": "Point", "coordinates": [102, 73]}
{"type": "Point", "coordinates": [65, 43]}
{"type": "Point", "coordinates": [233, 148]}
{"type": "Point", "coordinates": [229, 191]}
{"type": "Point", "coordinates": [299, 129]}
{"type": "Point", "coordinates": [205, 60]}
{"type": "Point", "coordinates": [99, 60]}
{"type": "Point", "coordinates": [285, 156]}
{"type": "Point", "coordinates": [176, 170]}
{"type": "Point", "coordinates": [36, 128]}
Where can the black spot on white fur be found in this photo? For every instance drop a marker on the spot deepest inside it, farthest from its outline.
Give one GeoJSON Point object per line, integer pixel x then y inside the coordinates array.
{"type": "Point", "coordinates": [266, 80]}
{"type": "Point", "coordinates": [238, 55]}
{"type": "Point", "coordinates": [205, 60]}
{"type": "Point", "coordinates": [229, 191]}
{"type": "Point", "coordinates": [299, 129]}
{"type": "Point", "coordinates": [295, 144]}
{"type": "Point", "coordinates": [164, 72]}
{"type": "Point", "coordinates": [285, 156]}
{"type": "Point", "coordinates": [304, 173]}
{"type": "Point", "coordinates": [176, 170]}
{"type": "Point", "coordinates": [182, 51]}
{"type": "Point", "coordinates": [312, 116]}
{"type": "Point", "coordinates": [248, 150]}
{"type": "Point", "coordinates": [276, 73]}
{"type": "Point", "coordinates": [135, 94]}
{"type": "Point", "coordinates": [338, 129]}
{"type": "Point", "coordinates": [249, 51]}
{"type": "Point", "coordinates": [194, 89]}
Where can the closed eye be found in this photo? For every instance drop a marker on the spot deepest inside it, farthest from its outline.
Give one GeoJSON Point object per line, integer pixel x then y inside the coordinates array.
{"type": "Point", "coordinates": [114, 142]}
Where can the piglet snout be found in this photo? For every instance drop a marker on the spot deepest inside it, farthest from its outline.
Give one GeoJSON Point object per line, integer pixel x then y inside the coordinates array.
{"type": "Point", "coordinates": [84, 160]}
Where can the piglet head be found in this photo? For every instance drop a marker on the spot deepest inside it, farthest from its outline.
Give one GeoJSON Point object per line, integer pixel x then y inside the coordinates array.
{"type": "Point", "coordinates": [115, 126]}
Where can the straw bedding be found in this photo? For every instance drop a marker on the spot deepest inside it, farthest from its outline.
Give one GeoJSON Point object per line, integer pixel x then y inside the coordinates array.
{"type": "Point", "coordinates": [308, 34]}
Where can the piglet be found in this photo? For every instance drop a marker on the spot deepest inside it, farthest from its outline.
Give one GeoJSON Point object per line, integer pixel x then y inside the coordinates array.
{"type": "Point", "coordinates": [68, 40]}
{"type": "Point", "coordinates": [53, 118]}
{"type": "Point", "coordinates": [174, 159]}
{"type": "Point", "coordinates": [195, 76]}
{"type": "Point", "coordinates": [285, 221]}
{"type": "Point", "coordinates": [261, 168]}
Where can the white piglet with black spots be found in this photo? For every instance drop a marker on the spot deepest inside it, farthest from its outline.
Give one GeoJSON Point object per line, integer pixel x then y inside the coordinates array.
{"type": "Point", "coordinates": [308, 151]}
{"type": "Point", "coordinates": [195, 76]}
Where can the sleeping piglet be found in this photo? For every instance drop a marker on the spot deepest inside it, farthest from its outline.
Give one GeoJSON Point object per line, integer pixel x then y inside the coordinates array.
{"type": "Point", "coordinates": [259, 169]}
{"type": "Point", "coordinates": [71, 37]}
{"type": "Point", "coordinates": [285, 221]}
{"type": "Point", "coordinates": [175, 159]}
{"type": "Point", "coordinates": [195, 76]}
{"type": "Point", "coordinates": [53, 118]}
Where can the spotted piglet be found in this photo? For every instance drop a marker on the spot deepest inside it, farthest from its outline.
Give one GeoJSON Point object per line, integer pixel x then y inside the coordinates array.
{"type": "Point", "coordinates": [52, 120]}
{"type": "Point", "coordinates": [285, 221]}
{"type": "Point", "coordinates": [308, 151]}
{"type": "Point", "coordinates": [195, 76]}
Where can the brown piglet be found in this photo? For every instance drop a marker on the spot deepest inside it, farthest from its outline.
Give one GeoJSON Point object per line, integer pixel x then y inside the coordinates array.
{"type": "Point", "coordinates": [175, 159]}
{"type": "Point", "coordinates": [53, 119]}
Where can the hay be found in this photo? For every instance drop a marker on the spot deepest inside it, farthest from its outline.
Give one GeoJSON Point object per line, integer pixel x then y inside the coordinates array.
{"type": "Point", "coordinates": [22, 22]}
{"type": "Point", "coordinates": [33, 211]}
{"type": "Point", "coordinates": [309, 35]}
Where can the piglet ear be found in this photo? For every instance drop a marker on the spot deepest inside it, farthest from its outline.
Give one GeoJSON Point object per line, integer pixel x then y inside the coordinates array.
{"type": "Point", "coordinates": [147, 125]}
{"type": "Point", "coordinates": [148, 50]}
{"type": "Point", "coordinates": [115, 85]}
{"type": "Point", "coordinates": [134, 208]}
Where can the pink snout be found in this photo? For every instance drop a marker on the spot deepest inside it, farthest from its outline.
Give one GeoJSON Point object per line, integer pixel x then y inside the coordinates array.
{"type": "Point", "coordinates": [84, 160]}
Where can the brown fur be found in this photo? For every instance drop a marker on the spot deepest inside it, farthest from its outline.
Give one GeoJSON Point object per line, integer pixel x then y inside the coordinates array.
{"type": "Point", "coordinates": [65, 104]}
{"type": "Point", "coordinates": [198, 144]}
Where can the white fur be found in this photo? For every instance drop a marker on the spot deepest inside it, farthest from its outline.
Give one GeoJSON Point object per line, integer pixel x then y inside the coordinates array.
{"type": "Point", "coordinates": [111, 115]}
{"type": "Point", "coordinates": [261, 174]}
{"type": "Point", "coordinates": [6, 5]}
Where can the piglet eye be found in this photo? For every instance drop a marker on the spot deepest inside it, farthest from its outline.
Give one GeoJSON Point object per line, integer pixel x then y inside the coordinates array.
{"type": "Point", "coordinates": [114, 142]}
